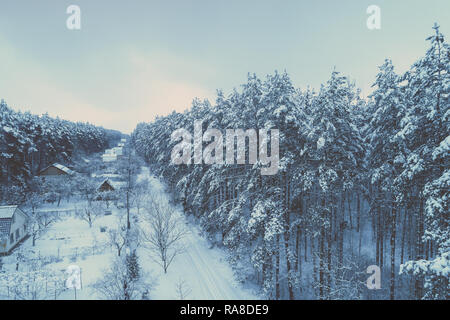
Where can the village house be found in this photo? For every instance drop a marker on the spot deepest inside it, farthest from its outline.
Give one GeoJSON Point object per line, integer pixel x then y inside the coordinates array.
{"type": "Point", "coordinates": [56, 170]}
{"type": "Point", "coordinates": [113, 154]}
{"type": "Point", "coordinates": [109, 157]}
{"type": "Point", "coordinates": [110, 185]}
{"type": "Point", "coordinates": [118, 151]}
{"type": "Point", "coordinates": [13, 227]}
{"type": "Point", "coordinates": [107, 188]}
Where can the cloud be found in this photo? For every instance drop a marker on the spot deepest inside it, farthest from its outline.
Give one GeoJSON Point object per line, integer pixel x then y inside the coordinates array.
{"type": "Point", "coordinates": [156, 91]}
{"type": "Point", "coordinates": [26, 86]}
{"type": "Point", "coordinates": [149, 86]}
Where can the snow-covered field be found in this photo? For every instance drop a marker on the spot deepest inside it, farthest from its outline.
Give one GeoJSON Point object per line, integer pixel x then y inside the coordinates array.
{"type": "Point", "coordinates": [204, 271]}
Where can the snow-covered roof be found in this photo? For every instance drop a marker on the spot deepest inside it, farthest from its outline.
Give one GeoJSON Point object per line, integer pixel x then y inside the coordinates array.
{"type": "Point", "coordinates": [105, 175]}
{"type": "Point", "coordinates": [114, 151]}
{"type": "Point", "coordinates": [115, 184]}
{"type": "Point", "coordinates": [6, 212]}
{"type": "Point", "coordinates": [63, 168]}
{"type": "Point", "coordinates": [60, 167]}
{"type": "Point", "coordinates": [109, 157]}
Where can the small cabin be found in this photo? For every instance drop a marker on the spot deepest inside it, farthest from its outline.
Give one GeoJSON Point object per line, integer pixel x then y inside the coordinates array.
{"type": "Point", "coordinates": [106, 190]}
{"type": "Point", "coordinates": [56, 170]}
{"type": "Point", "coordinates": [13, 228]}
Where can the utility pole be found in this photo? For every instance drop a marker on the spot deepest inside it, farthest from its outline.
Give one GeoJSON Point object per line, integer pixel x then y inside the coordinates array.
{"type": "Point", "coordinates": [128, 191]}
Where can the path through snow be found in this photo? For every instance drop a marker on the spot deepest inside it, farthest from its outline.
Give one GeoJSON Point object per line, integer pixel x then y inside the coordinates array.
{"type": "Point", "coordinates": [204, 269]}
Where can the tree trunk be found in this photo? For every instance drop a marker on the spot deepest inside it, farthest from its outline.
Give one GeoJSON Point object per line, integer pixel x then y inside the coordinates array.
{"type": "Point", "coordinates": [277, 268]}
{"type": "Point", "coordinates": [419, 249]}
{"type": "Point", "coordinates": [393, 233]}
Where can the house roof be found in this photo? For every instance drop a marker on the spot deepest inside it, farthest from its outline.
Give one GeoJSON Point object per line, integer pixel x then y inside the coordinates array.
{"type": "Point", "coordinates": [115, 184]}
{"type": "Point", "coordinates": [63, 168]}
{"type": "Point", "coordinates": [6, 212]}
{"type": "Point", "coordinates": [60, 167]}
{"type": "Point", "coordinates": [105, 175]}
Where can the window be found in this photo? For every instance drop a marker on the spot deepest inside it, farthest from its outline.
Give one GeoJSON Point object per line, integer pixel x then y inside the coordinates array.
{"type": "Point", "coordinates": [24, 228]}
{"type": "Point", "coordinates": [11, 238]}
{"type": "Point", "coordinates": [17, 234]}
{"type": "Point", "coordinates": [13, 218]}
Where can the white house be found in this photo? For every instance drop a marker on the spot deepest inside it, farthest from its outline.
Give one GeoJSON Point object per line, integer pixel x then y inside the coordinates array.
{"type": "Point", "coordinates": [118, 151]}
{"type": "Point", "coordinates": [109, 157]}
{"type": "Point", "coordinates": [13, 227]}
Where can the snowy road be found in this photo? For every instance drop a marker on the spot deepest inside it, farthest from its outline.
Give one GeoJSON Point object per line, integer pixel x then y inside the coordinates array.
{"type": "Point", "coordinates": [205, 270]}
{"type": "Point", "coordinates": [212, 284]}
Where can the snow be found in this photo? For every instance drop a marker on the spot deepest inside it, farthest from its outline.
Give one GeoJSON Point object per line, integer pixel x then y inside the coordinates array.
{"type": "Point", "coordinates": [7, 212]}
{"type": "Point", "coordinates": [320, 142]}
{"type": "Point", "coordinates": [71, 242]}
{"type": "Point", "coordinates": [63, 168]}
{"type": "Point", "coordinates": [443, 148]}
{"type": "Point", "coordinates": [439, 266]}
{"type": "Point", "coordinates": [204, 269]}
{"type": "Point", "coordinates": [106, 175]}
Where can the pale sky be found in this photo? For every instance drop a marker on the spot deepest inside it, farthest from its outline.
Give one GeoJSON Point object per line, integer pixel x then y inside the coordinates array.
{"type": "Point", "coordinates": [133, 59]}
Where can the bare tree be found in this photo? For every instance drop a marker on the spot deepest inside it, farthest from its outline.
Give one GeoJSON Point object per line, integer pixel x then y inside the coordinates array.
{"type": "Point", "coordinates": [91, 212]}
{"type": "Point", "coordinates": [39, 223]}
{"type": "Point", "coordinates": [183, 289]}
{"type": "Point", "coordinates": [108, 197]}
{"type": "Point", "coordinates": [128, 168]}
{"type": "Point", "coordinates": [139, 194]}
{"type": "Point", "coordinates": [118, 238]}
{"type": "Point", "coordinates": [35, 195]}
{"type": "Point", "coordinates": [162, 232]}
{"type": "Point", "coordinates": [86, 188]}
{"type": "Point", "coordinates": [118, 284]}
